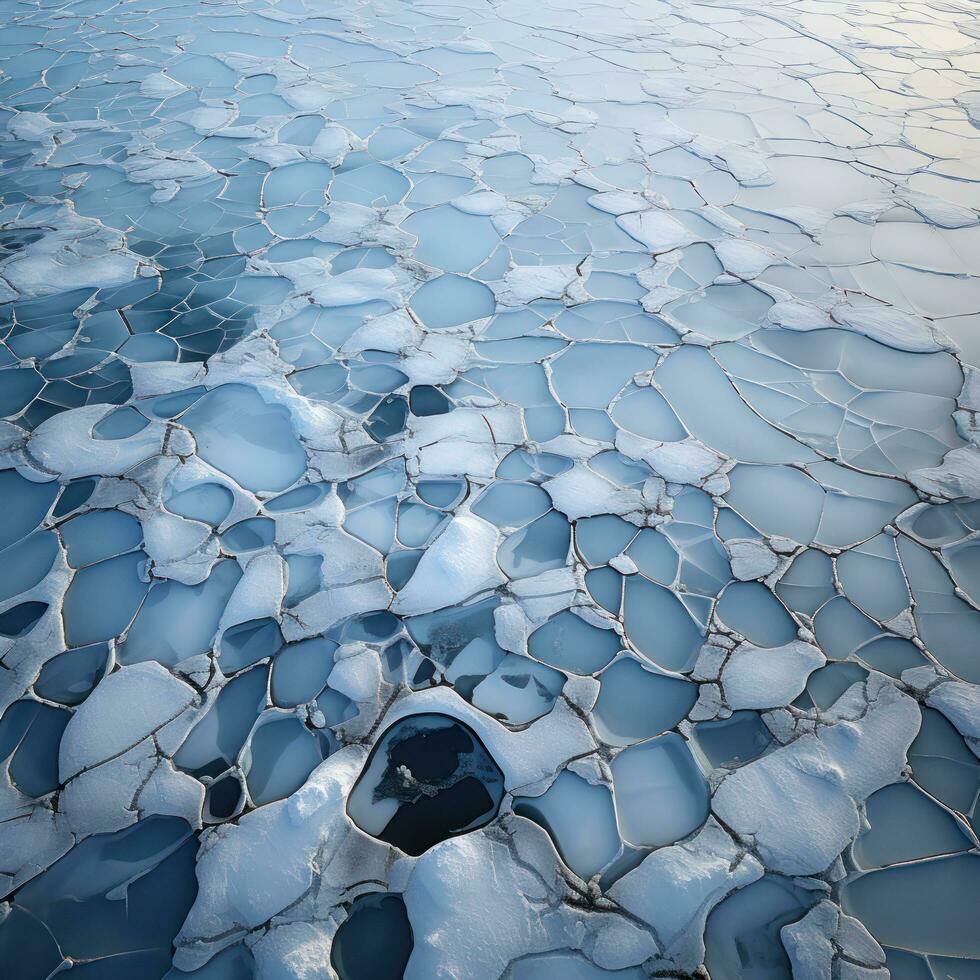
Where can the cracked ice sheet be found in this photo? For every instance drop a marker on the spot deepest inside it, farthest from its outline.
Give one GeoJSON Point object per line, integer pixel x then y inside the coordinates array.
{"type": "Point", "coordinates": [502, 478]}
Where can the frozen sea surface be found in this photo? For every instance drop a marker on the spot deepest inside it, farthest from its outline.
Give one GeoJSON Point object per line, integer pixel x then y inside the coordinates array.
{"type": "Point", "coordinates": [489, 489]}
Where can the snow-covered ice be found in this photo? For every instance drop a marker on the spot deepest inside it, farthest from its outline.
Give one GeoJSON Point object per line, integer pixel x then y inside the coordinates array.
{"type": "Point", "coordinates": [490, 490]}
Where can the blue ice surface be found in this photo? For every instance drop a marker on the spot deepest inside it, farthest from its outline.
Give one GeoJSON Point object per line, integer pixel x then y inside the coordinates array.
{"type": "Point", "coordinates": [489, 490]}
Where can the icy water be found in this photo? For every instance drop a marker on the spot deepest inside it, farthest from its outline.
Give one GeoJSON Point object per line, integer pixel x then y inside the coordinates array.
{"type": "Point", "coordinates": [489, 489]}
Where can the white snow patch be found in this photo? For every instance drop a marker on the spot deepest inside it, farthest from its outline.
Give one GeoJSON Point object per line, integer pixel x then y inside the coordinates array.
{"type": "Point", "coordinates": [656, 230]}
{"type": "Point", "coordinates": [799, 804]}
{"type": "Point", "coordinates": [460, 563]}
{"type": "Point", "coordinates": [755, 677]}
